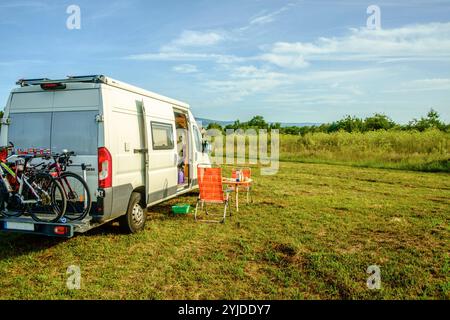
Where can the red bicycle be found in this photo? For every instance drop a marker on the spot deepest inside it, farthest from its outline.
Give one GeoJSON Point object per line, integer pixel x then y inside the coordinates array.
{"type": "Point", "coordinates": [75, 188]}
{"type": "Point", "coordinates": [27, 192]}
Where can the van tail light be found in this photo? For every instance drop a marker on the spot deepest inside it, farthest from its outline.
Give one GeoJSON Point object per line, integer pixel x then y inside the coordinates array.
{"type": "Point", "coordinates": [104, 168]}
{"type": "Point", "coordinates": [3, 154]}
{"type": "Point", "coordinates": [61, 230]}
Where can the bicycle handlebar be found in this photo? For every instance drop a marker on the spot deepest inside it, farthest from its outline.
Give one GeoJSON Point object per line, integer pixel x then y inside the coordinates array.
{"type": "Point", "coordinates": [67, 154]}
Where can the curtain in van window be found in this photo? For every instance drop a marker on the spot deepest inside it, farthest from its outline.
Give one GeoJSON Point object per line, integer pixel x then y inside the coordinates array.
{"type": "Point", "coordinates": [75, 131]}
{"type": "Point", "coordinates": [30, 130]}
{"type": "Point", "coordinates": [162, 135]}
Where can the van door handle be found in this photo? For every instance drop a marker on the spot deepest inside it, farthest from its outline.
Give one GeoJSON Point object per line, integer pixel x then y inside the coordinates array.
{"type": "Point", "coordinates": [140, 150]}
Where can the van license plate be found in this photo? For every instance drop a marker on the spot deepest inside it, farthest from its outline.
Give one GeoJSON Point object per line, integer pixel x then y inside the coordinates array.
{"type": "Point", "coordinates": [19, 226]}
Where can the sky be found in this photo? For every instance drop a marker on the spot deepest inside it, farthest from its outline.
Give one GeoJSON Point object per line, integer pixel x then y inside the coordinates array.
{"type": "Point", "coordinates": [289, 61]}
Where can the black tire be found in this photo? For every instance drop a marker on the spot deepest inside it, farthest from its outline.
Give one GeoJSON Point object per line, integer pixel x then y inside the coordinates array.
{"type": "Point", "coordinates": [54, 202]}
{"type": "Point", "coordinates": [4, 199]}
{"type": "Point", "coordinates": [136, 216]}
{"type": "Point", "coordinates": [76, 209]}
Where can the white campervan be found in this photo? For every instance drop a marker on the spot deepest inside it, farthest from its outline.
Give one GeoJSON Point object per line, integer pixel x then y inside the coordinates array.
{"type": "Point", "coordinates": [141, 148]}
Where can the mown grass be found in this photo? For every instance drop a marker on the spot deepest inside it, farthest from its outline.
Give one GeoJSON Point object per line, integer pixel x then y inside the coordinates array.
{"type": "Point", "coordinates": [312, 232]}
{"type": "Point", "coordinates": [427, 151]}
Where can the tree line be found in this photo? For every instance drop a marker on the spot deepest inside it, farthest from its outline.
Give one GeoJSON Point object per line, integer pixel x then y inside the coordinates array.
{"type": "Point", "coordinates": [349, 124]}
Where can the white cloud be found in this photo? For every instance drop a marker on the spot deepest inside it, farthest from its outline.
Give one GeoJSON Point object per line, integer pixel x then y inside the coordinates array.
{"type": "Point", "coordinates": [304, 48]}
{"type": "Point", "coordinates": [285, 61]}
{"type": "Point", "coordinates": [278, 73]}
{"type": "Point", "coordinates": [185, 68]}
{"type": "Point", "coordinates": [184, 56]}
{"type": "Point", "coordinates": [437, 84]}
{"type": "Point", "coordinates": [431, 83]}
{"type": "Point", "coordinates": [244, 81]}
{"type": "Point", "coordinates": [293, 99]}
{"type": "Point", "coordinates": [416, 42]}
{"type": "Point", "coordinates": [226, 91]}
{"type": "Point", "coordinates": [351, 75]}
{"type": "Point", "coordinates": [181, 49]}
{"type": "Point", "coordinates": [268, 17]}
{"type": "Point", "coordinates": [190, 38]}
{"type": "Point", "coordinates": [255, 73]}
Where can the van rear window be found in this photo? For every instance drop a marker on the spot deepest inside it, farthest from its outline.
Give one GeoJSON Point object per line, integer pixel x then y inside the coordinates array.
{"type": "Point", "coordinates": [30, 130]}
{"type": "Point", "coordinates": [74, 131]}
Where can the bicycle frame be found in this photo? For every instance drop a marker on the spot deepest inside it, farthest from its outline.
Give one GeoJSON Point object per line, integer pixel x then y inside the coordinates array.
{"type": "Point", "coordinates": [59, 170]}
{"type": "Point", "coordinates": [23, 181]}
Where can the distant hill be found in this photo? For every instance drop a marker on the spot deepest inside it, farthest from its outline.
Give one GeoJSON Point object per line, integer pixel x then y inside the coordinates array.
{"type": "Point", "coordinates": [205, 122]}
{"type": "Point", "coordinates": [300, 124]}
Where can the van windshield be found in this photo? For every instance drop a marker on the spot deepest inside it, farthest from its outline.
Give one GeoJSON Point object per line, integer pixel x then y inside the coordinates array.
{"type": "Point", "coordinates": [74, 131]}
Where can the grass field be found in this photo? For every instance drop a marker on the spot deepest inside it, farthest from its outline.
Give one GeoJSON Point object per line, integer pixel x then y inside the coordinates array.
{"type": "Point", "coordinates": [427, 151]}
{"type": "Point", "coordinates": [312, 232]}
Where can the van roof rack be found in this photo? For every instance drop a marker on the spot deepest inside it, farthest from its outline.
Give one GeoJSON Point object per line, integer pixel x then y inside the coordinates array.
{"type": "Point", "coordinates": [69, 79]}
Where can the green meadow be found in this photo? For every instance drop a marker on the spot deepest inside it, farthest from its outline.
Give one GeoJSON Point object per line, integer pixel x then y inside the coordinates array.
{"type": "Point", "coordinates": [311, 233]}
{"type": "Point", "coordinates": [394, 149]}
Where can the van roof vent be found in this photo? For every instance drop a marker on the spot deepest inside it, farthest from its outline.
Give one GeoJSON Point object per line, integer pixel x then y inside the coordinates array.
{"type": "Point", "coordinates": [69, 79]}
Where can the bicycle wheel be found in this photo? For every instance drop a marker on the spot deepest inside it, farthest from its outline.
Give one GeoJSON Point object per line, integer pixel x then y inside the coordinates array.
{"type": "Point", "coordinates": [53, 201]}
{"type": "Point", "coordinates": [5, 202]}
{"type": "Point", "coordinates": [79, 201]}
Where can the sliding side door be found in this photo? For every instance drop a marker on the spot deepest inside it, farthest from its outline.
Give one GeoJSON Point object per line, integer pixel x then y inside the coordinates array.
{"type": "Point", "coordinates": [161, 158]}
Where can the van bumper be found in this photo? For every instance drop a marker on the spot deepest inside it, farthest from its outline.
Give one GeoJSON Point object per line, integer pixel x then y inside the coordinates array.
{"type": "Point", "coordinates": [112, 202]}
{"type": "Point", "coordinates": [29, 226]}
{"type": "Point", "coordinates": [104, 205]}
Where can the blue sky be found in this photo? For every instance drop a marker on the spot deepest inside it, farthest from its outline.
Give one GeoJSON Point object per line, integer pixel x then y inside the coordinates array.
{"type": "Point", "coordinates": [290, 61]}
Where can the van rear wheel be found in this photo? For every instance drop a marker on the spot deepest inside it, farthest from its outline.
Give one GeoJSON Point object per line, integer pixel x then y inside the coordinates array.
{"type": "Point", "coordinates": [134, 220]}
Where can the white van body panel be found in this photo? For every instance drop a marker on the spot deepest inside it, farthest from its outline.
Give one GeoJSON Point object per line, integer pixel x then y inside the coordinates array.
{"type": "Point", "coordinates": [109, 113]}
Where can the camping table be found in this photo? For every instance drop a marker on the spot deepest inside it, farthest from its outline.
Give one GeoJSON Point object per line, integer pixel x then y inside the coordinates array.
{"type": "Point", "coordinates": [236, 185]}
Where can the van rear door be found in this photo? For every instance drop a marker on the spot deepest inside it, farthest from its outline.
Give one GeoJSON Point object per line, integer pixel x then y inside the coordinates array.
{"type": "Point", "coordinates": [58, 120]}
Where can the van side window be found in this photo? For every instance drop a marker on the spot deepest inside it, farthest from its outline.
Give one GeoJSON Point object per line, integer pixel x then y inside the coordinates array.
{"type": "Point", "coordinates": [198, 139]}
{"type": "Point", "coordinates": [162, 136]}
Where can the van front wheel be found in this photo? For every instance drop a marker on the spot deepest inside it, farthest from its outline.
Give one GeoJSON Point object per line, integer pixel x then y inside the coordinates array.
{"type": "Point", "coordinates": [134, 220]}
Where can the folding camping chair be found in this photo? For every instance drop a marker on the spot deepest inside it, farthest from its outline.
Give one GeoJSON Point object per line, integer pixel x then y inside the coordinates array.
{"type": "Point", "coordinates": [211, 192]}
{"type": "Point", "coordinates": [247, 173]}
